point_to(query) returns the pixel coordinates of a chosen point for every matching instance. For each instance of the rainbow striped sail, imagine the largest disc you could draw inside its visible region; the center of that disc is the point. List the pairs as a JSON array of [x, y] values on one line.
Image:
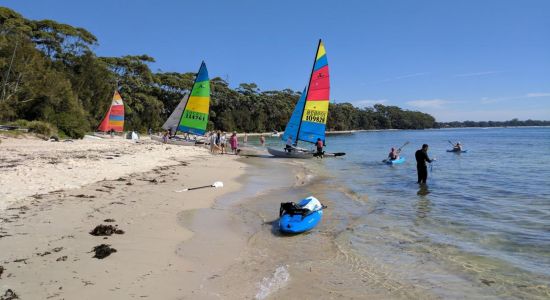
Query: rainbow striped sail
[[114, 119], [311, 115], [195, 115]]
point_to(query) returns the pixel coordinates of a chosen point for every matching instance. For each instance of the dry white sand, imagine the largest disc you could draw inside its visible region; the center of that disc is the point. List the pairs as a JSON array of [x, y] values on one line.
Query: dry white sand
[[32, 166], [45, 242]]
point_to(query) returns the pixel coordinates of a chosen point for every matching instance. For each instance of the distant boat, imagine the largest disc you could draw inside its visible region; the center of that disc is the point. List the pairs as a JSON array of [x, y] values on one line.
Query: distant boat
[[114, 118], [191, 114], [308, 121]]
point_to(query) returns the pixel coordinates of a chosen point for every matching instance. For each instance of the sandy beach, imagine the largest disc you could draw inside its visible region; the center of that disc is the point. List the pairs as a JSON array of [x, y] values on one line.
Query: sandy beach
[[51, 208]]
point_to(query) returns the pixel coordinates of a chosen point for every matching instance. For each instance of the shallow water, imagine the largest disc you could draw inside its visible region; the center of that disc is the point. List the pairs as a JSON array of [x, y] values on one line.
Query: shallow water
[[480, 228]]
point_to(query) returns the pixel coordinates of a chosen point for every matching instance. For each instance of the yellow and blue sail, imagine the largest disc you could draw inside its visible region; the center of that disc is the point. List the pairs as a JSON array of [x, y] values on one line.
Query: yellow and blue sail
[[314, 111], [194, 118]]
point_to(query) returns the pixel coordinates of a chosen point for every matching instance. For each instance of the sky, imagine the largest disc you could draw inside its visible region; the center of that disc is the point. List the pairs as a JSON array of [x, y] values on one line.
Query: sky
[[457, 60]]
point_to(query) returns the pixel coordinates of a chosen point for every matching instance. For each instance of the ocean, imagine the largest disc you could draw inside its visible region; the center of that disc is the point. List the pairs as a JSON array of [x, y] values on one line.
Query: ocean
[[480, 228]]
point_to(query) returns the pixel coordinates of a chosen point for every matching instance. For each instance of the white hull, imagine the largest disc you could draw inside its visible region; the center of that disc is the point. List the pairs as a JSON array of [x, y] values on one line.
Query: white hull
[[292, 154], [159, 139]]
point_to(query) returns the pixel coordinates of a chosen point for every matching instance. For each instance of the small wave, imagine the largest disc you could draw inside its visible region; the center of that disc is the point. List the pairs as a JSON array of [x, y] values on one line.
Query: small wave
[[273, 283]]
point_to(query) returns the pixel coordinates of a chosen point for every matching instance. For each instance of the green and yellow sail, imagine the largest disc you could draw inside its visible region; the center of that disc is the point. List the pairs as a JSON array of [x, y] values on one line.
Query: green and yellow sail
[[194, 118]]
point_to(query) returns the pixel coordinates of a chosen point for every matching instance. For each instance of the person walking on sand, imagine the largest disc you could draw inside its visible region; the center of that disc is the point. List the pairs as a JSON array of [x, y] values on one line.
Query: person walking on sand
[[234, 142], [223, 139], [421, 156], [212, 141], [262, 140], [165, 136]]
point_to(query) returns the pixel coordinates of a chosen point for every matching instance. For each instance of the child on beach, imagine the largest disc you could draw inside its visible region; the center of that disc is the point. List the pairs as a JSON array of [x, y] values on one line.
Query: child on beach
[[165, 136], [234, 142]]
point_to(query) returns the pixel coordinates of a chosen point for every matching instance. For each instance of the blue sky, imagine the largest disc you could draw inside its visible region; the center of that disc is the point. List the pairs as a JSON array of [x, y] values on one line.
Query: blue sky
[[457, 60]]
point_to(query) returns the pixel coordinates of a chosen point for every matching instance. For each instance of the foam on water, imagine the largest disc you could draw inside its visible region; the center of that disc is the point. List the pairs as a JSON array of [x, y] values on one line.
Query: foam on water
[[271, 284]]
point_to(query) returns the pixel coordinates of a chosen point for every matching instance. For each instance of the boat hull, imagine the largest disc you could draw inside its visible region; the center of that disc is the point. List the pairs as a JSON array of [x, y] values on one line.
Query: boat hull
[[293, 154], [456, 151], [173, 141], [396, 161], [297, 223]]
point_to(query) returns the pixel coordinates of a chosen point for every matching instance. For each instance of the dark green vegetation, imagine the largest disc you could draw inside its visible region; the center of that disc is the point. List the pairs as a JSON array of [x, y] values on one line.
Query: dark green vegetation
[[49, 73], [513, 123]]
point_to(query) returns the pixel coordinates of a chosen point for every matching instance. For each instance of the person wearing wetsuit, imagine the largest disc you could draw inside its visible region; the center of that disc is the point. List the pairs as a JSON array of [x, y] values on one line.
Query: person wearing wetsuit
[[421, 156]]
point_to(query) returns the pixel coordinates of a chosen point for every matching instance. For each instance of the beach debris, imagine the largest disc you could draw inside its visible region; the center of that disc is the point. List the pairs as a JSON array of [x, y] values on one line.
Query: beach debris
[[9, 295], [487, 282], [62, 258], [109, 220], [44, 254], [129, 183], [23, 260], [121, 179], [106, 230], [84, 196], [1, 271], [103, 251]]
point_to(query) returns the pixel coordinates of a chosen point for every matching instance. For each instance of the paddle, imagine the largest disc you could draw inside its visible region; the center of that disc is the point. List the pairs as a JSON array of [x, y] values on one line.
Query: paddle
[[217, 184], [338, 153]]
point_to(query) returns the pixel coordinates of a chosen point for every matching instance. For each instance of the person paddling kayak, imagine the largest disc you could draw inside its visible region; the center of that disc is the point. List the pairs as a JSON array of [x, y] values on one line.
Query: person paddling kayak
[[457, 147], [421, 156], [394, 154]]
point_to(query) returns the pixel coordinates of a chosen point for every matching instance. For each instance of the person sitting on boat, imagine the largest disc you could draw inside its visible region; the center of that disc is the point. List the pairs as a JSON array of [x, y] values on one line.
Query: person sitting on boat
[[319, 144], [394, 154], [289, 147], [457, 147]]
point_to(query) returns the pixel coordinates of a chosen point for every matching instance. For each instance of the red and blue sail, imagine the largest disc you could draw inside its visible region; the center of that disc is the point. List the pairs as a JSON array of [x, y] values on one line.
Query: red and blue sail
[[312, 112]]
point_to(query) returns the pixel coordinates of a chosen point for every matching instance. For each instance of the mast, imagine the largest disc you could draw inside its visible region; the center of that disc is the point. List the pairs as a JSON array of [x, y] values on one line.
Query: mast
[[190, 91], [307, 91]]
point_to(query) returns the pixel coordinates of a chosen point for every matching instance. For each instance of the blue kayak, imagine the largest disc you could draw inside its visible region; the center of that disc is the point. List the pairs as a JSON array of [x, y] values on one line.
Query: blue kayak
[[301, 217], [457, 151], [400, 160]]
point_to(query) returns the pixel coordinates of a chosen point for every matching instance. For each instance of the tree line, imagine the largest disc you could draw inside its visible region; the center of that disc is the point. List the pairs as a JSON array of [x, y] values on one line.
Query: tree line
[[49, 73], [510, 123]]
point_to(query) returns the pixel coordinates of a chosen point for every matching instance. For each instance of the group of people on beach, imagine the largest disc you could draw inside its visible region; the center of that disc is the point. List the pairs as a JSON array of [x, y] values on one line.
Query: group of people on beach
[[218, 142]]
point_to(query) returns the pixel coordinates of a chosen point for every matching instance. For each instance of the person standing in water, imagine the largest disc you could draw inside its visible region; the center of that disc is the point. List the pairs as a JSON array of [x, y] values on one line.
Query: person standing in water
[[262, 140], [421, 156], [245, 139], [319, 144]]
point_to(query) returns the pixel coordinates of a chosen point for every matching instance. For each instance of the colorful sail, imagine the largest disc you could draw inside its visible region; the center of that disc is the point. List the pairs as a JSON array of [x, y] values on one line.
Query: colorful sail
[[195, 115], [314, 116], [114, 119], [293, 124], [173, 121]]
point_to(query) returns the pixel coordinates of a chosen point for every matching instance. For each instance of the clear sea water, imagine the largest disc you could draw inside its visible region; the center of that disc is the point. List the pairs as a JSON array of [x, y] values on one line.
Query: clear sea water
[[479, 228]]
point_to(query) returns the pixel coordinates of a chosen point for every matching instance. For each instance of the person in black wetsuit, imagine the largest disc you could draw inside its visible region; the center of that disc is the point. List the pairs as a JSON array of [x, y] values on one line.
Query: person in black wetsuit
[[421, 156]]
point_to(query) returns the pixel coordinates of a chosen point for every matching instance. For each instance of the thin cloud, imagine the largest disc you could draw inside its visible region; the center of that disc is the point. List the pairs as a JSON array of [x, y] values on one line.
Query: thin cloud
[[431, 103], [487, 100], [477, 74], [399, 77], [537, 95]]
